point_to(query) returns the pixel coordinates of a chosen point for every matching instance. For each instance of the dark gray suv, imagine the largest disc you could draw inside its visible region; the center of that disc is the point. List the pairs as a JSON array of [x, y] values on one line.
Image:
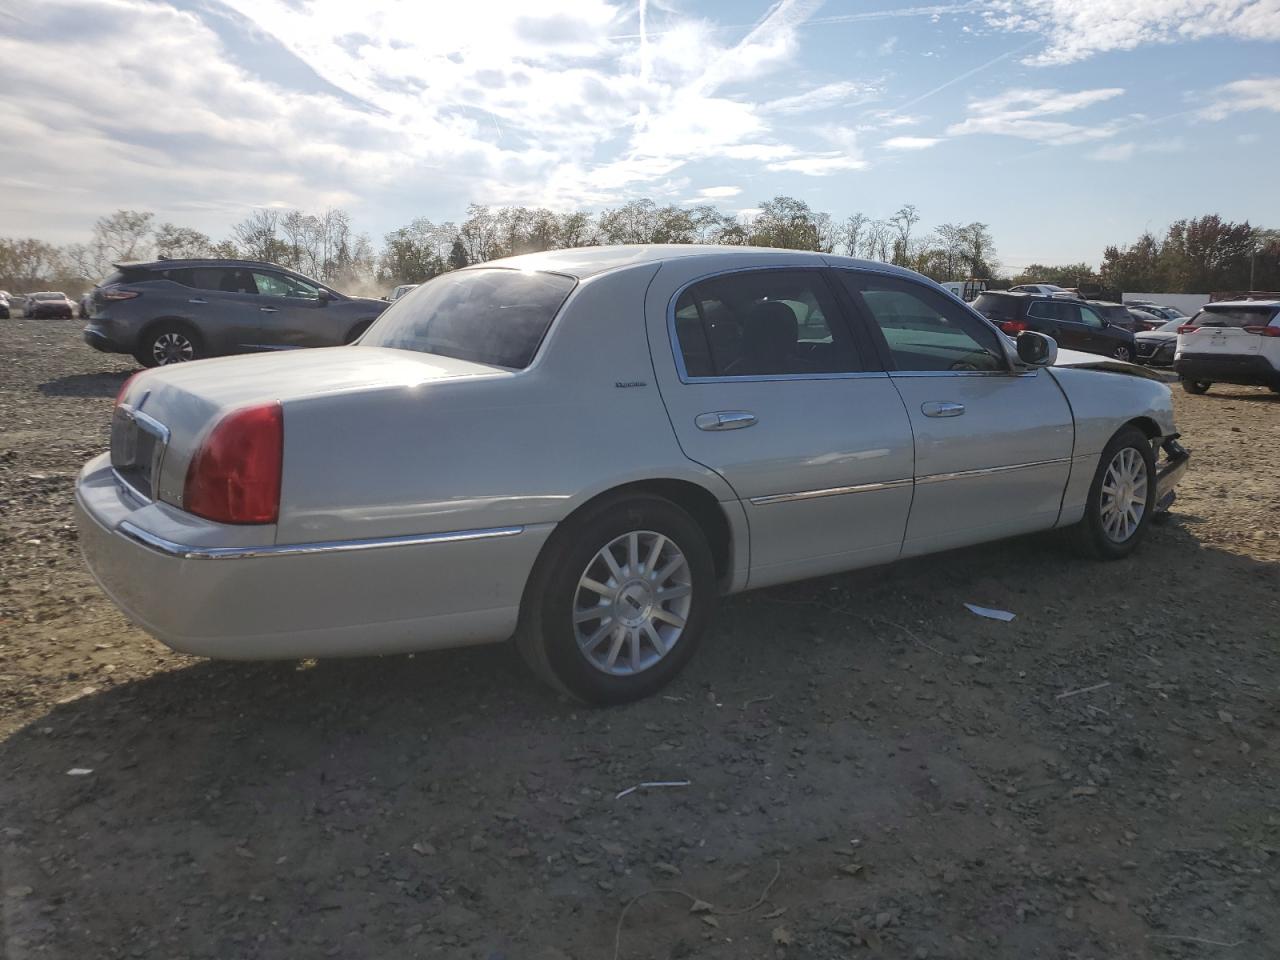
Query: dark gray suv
[[171, 311]]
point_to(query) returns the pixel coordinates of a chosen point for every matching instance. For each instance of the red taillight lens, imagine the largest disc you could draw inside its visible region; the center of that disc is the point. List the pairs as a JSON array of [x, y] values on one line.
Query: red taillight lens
[[1013, 326], [235, 475], [124, 387], [120, 294], [1188, 328], [1264, 331]]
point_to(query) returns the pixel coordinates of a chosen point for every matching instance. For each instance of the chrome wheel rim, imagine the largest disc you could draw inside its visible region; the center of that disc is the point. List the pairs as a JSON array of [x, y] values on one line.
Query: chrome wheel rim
[[172, 348], [632, 603], [1124, 495]]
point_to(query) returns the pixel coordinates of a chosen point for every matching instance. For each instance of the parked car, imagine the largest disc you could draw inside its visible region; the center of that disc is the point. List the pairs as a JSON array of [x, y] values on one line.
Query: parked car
[[1146, 320], [1072, 323], [401, 290], [1157, 347], [588, 447], [49, 304], [172, 311], [1230, 342], [4, 305], [1156, 310], [1039, 288]]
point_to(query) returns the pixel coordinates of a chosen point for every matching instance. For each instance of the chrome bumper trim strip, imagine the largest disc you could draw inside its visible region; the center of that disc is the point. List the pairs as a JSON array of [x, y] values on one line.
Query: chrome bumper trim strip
[[988, 471], [184, 551]]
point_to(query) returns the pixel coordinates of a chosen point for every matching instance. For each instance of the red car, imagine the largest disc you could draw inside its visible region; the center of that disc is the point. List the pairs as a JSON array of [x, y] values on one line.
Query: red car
[[41, 305]]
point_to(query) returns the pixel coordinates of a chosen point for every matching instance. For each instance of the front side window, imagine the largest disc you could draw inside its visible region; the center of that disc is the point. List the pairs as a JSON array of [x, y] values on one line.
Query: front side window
[[279, 285], [764, 323], [924, 330], [1089, 317], [493, 316]]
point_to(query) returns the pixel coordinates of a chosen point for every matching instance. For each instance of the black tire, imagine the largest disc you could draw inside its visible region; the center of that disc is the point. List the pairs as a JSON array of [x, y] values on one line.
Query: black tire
[[1196, 387], [546, 636], [1274, 388], [1091, 533], [168, 342], [1122, 352]]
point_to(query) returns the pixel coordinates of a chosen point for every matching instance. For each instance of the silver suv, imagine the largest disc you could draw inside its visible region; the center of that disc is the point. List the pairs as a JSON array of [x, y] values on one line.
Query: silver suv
[[171, 311]]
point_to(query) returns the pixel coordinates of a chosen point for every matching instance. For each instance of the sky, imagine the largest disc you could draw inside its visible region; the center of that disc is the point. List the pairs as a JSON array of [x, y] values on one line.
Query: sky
[[1065, 125]]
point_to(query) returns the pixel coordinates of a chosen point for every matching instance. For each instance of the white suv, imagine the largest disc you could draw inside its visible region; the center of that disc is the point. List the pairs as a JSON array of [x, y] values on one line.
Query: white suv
[[1234, 341]]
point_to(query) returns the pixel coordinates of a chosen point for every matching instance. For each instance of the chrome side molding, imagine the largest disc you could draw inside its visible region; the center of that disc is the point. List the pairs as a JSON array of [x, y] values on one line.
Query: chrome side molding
[[830, 492], [185, 551]]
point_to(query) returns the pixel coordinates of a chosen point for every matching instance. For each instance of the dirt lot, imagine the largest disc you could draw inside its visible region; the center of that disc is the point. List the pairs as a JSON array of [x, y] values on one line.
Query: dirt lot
[[874, 770]]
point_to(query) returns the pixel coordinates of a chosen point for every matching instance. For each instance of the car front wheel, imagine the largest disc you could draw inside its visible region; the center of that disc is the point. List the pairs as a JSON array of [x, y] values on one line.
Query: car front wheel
[[619, 600], [1196, 386], [1121, 497], [1122, 353]]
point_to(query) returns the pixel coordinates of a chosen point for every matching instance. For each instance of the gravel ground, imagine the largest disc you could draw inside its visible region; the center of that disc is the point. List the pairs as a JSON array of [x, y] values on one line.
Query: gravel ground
[[874, 770]]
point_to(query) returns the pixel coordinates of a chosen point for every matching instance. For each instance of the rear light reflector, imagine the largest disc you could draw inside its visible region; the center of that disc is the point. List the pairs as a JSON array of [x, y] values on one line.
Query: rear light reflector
[[1188, 328], [235, 475], [120, 294], [1013, 326]]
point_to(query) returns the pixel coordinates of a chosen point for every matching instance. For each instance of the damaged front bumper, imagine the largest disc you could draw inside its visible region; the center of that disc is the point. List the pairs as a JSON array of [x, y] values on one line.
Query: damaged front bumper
[[1169, 470]]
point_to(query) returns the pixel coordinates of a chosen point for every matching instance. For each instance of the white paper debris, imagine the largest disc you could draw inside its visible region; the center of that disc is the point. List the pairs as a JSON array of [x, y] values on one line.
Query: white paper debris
[[990, 612], [79, 772], [651, 785]]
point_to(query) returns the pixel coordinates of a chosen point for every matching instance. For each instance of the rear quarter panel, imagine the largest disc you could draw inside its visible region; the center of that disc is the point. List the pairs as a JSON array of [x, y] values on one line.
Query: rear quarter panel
[[516, 448]]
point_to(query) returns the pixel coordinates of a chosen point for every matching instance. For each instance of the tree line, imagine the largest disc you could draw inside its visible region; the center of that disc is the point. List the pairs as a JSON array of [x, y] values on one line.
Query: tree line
[[1194, 256]]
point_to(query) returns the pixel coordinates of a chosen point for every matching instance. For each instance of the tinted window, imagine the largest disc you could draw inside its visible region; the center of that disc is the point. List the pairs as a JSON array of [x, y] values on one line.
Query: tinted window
[[279, 285], [1238, 316], [765, 323], [925, 330], [221, 279], [1090, 317], [492, 316], [994, 305]]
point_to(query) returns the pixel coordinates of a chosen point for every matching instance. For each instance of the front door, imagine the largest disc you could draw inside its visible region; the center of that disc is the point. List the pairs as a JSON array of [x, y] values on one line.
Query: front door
[[992, 445], [767, 384], [289, 312]]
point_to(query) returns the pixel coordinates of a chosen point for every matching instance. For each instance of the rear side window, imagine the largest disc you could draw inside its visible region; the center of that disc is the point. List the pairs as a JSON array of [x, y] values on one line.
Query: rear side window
[[994, 305], [492, 316], [1238, 316], [764, 323]]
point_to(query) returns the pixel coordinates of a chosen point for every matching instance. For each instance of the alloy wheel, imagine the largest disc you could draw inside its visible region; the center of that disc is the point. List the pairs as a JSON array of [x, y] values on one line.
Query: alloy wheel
[[1122, 353], [172, 347], [632, 603], [1124, 495]]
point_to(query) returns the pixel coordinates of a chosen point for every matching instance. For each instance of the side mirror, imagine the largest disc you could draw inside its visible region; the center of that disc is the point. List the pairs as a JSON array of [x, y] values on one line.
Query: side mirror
[[324, 296], [1037, 350]]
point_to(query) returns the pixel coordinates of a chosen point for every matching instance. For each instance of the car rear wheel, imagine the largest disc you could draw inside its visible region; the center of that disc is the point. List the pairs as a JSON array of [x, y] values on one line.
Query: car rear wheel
[[619, 600], [1196, 386], [1121, 498], [166, 344]]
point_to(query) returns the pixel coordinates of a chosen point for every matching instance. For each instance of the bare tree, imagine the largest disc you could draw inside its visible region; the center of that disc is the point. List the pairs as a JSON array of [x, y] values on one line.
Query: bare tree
[[902, 223], [181, 242], [851, 233]]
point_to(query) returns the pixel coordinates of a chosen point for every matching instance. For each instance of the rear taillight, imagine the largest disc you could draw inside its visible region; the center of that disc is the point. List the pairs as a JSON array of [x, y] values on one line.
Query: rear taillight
[[1264, 331], [235, 475], [120, 294], [1013, 326], [1188, 328], [124, 387]]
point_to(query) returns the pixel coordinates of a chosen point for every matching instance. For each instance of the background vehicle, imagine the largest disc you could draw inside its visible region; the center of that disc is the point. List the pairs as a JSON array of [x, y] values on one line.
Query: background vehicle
[[1156, 310], [401, 290], [1230, 342], [966, 290], [1070, 322], [1157, 347], [1115, 314], [4, 305], [1039, 288], [460, 474], [49, 304], [1146, 320], [172, 311]]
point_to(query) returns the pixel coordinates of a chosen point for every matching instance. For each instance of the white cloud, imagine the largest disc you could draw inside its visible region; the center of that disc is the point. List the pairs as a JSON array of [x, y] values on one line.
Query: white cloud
[[828, 95], [1023, 113], [1256, 93], [1114, 152], [887, 47], [718, 193], [911, 143], [1077, 29]]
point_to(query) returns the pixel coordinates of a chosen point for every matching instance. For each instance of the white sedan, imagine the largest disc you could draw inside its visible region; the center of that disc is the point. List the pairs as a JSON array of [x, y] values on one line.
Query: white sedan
[[586, 448]]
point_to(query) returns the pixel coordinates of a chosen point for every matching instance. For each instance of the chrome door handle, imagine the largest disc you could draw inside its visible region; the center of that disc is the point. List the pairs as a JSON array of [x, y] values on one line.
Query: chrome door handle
[[268, 309], [725, 420], [942, 408], [197, 300]]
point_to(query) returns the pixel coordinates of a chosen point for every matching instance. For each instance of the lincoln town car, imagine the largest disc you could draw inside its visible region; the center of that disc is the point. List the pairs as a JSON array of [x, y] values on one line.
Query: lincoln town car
[[584, 450]]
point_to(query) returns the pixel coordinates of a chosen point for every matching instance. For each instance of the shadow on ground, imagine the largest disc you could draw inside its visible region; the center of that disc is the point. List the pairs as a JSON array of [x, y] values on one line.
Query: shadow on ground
[[86, 385]]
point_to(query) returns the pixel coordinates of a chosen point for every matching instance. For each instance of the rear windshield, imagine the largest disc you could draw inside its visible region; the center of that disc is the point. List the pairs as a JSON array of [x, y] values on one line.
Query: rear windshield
[[994, 305], [494, 316], [1237, 316]]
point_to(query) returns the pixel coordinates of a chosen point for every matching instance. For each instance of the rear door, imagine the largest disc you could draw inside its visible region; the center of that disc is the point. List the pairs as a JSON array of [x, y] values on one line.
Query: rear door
[[766, 383], [993, 445]]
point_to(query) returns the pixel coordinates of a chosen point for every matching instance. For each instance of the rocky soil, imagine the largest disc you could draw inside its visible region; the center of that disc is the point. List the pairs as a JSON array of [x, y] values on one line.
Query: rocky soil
[[873, 771]]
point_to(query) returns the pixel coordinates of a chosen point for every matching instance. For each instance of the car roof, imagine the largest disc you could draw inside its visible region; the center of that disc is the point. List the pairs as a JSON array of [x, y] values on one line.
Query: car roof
[[583, 262], [1241, 303], [197, 262]]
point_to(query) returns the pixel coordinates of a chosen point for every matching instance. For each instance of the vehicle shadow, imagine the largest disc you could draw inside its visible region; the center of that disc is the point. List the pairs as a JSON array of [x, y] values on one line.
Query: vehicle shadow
[[86, 384], [1250, 394], [447, 802]]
